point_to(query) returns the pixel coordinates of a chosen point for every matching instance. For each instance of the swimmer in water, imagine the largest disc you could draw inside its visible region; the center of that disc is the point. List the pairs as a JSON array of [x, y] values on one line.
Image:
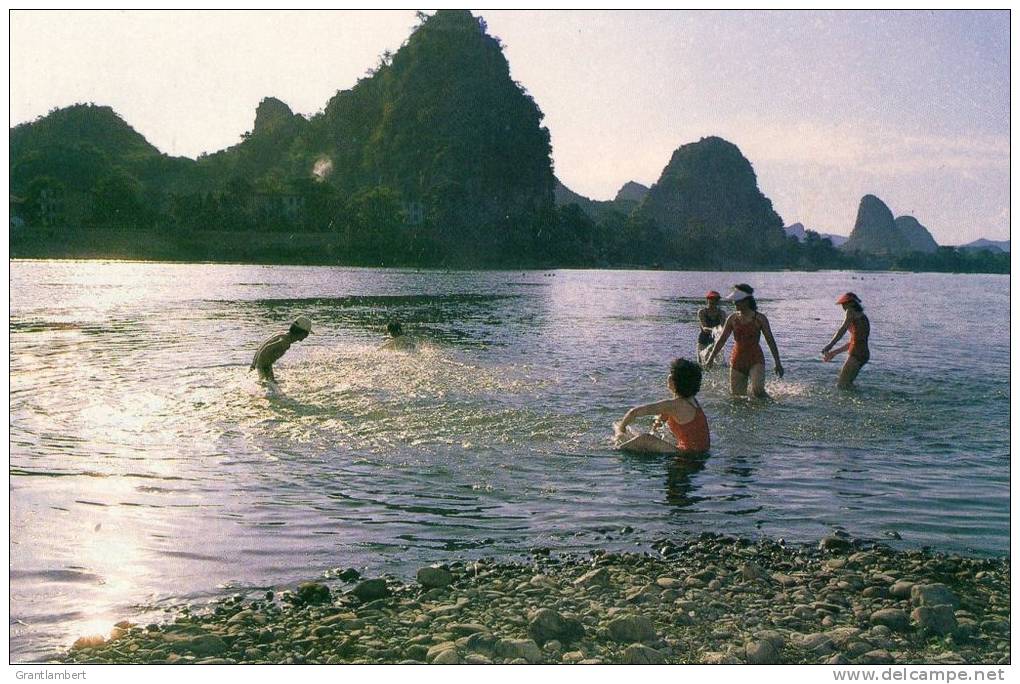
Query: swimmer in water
[[710, 317], [747, 362], [860, 329], [276, 346], [398, 340], [682, 413]]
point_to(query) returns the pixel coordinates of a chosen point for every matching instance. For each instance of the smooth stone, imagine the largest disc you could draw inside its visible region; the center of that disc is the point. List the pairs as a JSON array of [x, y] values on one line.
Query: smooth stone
[[751, 571], [371, 590], [447, 657], [857, 648], [433, 652], [525, 649], [668, 582], [901, 589], [314, 593], [938, 619], [200, 645], [571, 657], [803, 612], [597, 577], [480, 641], [877, 657], [466, 629], [417, 652], [761, 653], [785, 580], [88, 642], [630, 629], [834, 543], [434, 577], [716, 658], [639, 654], [841, 636], [775, 638], [547, 625], [933, 595], [476, 659], [816, 642], [893, 618], [648, 592]]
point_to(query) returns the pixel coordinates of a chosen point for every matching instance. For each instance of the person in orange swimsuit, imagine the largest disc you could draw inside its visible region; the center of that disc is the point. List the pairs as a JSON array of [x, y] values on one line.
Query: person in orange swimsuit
[[860, 329], [683, 414], [747, 362]]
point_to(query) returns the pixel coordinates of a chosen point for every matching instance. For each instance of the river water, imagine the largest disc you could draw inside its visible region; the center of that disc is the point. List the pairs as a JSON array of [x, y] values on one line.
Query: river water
[[148, 466]]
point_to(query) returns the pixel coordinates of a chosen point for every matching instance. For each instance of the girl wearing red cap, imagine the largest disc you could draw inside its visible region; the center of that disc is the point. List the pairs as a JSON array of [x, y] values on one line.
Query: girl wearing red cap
[[860, 328], [711, 318], [747, 362]]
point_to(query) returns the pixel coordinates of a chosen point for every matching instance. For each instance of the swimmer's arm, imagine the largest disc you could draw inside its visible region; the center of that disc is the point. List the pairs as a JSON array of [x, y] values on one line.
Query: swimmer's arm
[[829, 355], [839, 334], [702, 315], [645, 410], [721, 342], [771, 342]]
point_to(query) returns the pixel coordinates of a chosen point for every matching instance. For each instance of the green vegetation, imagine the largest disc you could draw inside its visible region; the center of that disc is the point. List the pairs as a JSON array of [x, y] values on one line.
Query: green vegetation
[[437, 157]]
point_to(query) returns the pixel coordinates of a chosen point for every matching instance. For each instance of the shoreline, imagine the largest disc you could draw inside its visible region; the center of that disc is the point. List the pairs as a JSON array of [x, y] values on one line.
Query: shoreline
[[707, 599], [468, 269]]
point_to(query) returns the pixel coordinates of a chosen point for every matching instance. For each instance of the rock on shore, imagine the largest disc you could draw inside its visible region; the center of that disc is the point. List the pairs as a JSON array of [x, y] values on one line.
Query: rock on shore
[[705, 600]]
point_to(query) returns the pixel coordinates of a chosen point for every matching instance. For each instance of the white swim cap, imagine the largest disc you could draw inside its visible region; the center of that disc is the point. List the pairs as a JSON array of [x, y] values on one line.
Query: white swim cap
[[304, 323]]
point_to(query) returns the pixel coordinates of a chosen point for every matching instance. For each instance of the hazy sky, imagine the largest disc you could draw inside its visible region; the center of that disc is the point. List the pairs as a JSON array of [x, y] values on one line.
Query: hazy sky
[[828, 106]]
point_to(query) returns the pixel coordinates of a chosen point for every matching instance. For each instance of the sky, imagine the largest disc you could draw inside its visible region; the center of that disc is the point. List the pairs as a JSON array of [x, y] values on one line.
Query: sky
[[828, 106]]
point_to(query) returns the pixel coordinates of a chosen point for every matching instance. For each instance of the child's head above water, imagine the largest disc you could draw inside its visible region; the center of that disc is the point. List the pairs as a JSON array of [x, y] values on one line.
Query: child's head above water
[[685, 378], [394, 329], [300, 328]]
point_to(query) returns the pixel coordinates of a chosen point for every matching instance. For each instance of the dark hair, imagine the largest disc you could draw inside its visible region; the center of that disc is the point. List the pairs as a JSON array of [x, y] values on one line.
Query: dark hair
[[394, 328], [686, 377], [298, 332], [751, 302]]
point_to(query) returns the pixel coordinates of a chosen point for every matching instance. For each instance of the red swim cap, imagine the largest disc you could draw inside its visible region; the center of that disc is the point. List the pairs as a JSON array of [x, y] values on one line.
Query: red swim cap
[[712, 294], [847, 298]]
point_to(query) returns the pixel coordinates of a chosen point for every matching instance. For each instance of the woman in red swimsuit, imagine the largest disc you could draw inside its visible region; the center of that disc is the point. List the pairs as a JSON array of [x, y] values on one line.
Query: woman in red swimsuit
[[682, 414], [747, 362], [860, 329]]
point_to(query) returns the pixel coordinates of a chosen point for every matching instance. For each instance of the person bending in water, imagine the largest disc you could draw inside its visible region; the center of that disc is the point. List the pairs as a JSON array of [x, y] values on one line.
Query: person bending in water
[[747, 362], [682, 413], [277, 345], [860, 328], [710, 317], [398, 340]]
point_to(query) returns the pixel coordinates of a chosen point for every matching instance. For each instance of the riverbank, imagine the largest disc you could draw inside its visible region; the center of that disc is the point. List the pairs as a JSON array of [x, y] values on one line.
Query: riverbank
[[290, 248], [708, 599]]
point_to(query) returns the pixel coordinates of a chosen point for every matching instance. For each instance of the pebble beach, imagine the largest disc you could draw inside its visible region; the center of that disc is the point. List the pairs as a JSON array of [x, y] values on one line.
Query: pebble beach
[[707, 599]]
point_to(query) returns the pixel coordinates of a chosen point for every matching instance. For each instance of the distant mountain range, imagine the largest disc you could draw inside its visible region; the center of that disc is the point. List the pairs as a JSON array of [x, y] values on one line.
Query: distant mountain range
[[987, 245], [436, 157], [798, 231], [626, 199], [877, 232]]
